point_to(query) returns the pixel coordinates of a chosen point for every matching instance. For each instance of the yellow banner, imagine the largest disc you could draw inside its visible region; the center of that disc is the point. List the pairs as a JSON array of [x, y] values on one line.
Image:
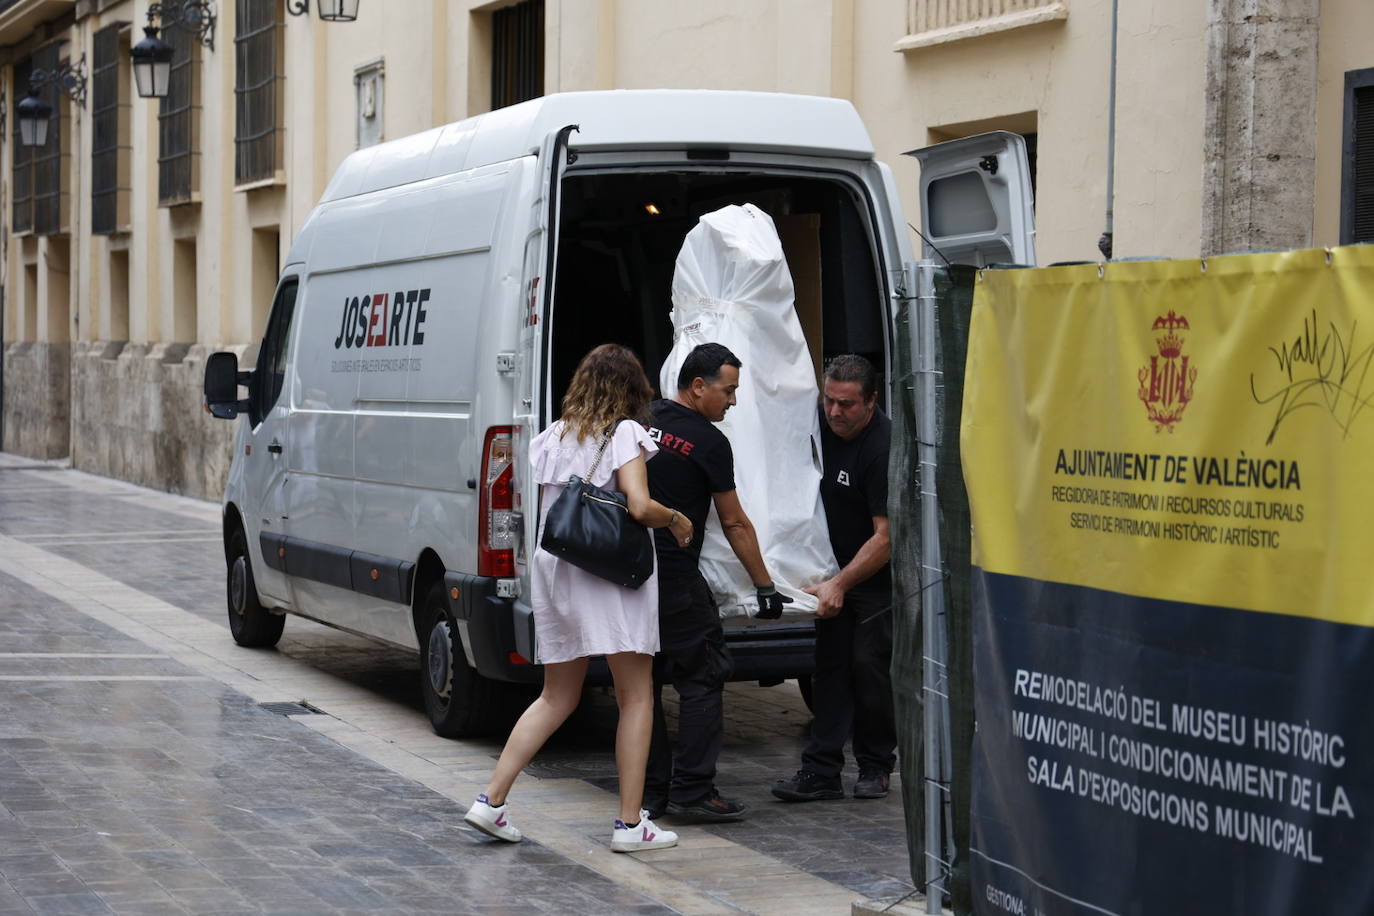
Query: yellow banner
[[1196, 431]]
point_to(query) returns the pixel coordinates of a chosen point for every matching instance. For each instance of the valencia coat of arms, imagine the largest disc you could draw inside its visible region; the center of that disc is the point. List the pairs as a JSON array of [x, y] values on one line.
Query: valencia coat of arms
[[1166, 384]]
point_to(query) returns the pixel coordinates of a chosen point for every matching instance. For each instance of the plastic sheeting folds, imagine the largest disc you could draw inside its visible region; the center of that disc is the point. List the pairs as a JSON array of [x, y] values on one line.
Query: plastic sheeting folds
[[732, 286]]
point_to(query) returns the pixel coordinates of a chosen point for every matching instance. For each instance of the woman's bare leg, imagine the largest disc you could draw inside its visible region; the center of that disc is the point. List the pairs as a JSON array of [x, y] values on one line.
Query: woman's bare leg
[[560, 696], [634, 693]]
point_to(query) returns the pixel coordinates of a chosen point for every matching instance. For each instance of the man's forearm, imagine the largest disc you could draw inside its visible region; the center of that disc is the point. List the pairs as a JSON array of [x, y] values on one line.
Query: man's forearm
[[745, 543], [872, 556]]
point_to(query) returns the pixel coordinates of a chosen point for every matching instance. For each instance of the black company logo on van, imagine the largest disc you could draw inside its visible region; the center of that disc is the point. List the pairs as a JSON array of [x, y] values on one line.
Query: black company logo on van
[[383, 319]]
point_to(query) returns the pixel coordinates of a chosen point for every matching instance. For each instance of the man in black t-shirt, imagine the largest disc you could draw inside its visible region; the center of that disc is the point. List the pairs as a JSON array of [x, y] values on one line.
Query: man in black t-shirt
[[693, 470], [852, 687]]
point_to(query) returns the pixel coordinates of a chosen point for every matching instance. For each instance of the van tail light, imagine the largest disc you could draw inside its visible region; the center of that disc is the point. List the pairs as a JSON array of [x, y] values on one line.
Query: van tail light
[[497, 531]]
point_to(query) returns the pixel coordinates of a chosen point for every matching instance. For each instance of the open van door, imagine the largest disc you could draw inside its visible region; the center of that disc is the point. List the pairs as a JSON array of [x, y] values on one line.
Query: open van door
[[541, 263], [532, 408], [976, 201]]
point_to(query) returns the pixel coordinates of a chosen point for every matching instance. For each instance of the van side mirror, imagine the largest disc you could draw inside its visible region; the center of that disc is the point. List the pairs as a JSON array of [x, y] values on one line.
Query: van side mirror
[[222, 381]]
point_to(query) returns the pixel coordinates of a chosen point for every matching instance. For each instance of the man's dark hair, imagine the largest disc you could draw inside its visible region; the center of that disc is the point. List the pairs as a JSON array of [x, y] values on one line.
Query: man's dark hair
[[854, 368], [705, 362]]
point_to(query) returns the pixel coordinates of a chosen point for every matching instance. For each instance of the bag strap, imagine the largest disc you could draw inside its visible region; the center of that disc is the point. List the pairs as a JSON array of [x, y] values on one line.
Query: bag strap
[[605, 440]]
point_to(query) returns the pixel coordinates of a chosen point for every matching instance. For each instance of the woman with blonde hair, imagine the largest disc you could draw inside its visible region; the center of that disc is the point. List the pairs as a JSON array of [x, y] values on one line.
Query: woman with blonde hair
[[577, 614]]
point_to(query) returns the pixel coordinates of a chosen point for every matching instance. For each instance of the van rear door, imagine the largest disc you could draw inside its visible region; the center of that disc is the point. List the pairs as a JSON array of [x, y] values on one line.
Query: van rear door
[[976, 201], [532, 410], [541, 264]]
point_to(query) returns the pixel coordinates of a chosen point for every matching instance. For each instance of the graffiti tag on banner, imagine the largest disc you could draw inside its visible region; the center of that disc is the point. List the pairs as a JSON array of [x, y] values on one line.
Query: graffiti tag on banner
[[1166, 472]]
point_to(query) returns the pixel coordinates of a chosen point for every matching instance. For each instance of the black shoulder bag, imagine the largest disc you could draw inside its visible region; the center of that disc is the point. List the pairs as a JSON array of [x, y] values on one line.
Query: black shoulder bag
[[592, 529]]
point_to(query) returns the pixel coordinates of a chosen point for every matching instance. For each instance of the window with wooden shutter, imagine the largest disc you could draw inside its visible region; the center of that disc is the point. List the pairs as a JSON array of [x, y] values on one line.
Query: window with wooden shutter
[[258, 91], [178, 122], [517, 53], [50, 160], [21, 168], [110, 131], [1357, 171]]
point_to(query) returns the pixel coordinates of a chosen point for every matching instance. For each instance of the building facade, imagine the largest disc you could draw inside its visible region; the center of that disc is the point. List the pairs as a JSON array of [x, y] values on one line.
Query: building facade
[[148, 233]]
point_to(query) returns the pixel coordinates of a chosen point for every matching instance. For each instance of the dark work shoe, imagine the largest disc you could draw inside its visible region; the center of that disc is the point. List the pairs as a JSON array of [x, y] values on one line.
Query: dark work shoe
[[655, 806], [710, 807], [808, 785], [871, 784]]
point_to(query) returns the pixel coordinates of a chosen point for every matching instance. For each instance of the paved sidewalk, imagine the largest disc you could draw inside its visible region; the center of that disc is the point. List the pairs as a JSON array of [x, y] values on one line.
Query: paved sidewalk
[[139, 772]]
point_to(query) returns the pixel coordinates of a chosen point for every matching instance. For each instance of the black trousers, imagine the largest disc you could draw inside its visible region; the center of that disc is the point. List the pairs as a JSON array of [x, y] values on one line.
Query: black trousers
[[693, 658], [851, 690]]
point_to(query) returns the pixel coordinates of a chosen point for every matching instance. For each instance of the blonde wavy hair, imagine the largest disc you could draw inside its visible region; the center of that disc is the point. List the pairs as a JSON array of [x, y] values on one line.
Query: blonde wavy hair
[[609, 384]]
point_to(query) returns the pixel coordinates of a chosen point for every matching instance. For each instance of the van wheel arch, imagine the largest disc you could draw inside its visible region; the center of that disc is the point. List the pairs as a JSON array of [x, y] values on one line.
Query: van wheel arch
[[429, 569], [460, 702], [251, 624], [233, 521]]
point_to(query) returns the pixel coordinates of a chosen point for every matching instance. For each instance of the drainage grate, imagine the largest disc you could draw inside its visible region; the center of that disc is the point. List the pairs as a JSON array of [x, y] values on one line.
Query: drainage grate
[[292, 709], [572, 766], [33, 467]]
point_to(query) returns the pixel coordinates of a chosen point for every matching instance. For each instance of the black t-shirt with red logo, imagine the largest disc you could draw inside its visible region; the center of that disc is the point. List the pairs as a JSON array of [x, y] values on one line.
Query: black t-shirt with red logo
[[854, 490], [694, 460]]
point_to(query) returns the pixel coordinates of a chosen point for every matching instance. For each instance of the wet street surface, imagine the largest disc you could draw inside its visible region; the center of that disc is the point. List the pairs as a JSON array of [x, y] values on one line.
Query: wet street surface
[[148, 765]]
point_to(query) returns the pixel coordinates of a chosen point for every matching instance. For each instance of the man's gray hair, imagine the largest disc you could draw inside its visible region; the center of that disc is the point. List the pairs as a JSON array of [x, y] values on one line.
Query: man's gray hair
[[853, 368]]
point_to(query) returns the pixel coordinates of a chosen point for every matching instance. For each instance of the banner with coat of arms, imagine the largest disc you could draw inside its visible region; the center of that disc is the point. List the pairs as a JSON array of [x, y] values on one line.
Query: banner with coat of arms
[[1168, 468]]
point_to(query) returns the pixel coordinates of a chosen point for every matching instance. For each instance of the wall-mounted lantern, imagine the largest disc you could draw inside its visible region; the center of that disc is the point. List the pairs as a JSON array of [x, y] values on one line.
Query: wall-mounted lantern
[[152, 57], [34, 113], [330, 10]]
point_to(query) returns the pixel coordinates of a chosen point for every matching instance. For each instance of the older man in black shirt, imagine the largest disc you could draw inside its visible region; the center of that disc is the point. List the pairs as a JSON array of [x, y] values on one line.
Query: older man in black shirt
[[852, 686], [694, 469]]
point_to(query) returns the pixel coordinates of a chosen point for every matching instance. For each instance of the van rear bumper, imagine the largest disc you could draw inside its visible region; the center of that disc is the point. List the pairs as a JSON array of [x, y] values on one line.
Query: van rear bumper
[[500, 635], [491, 627], [772, 651]]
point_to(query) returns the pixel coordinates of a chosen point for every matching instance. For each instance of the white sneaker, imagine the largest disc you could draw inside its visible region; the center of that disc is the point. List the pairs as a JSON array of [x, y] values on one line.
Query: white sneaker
[[644, 835], [492, 820]]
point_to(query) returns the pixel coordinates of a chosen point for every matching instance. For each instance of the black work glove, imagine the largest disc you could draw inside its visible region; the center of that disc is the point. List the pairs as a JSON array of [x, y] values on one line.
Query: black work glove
[[770, 601]]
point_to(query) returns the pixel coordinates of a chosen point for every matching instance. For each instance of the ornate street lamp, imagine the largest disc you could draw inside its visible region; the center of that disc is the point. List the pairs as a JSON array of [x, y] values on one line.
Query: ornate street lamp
[[34, 113], [330, 10], [152, 57]]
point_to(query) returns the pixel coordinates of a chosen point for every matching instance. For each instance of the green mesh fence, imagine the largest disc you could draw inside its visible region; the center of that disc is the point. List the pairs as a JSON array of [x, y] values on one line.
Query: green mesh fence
[[954, 300]]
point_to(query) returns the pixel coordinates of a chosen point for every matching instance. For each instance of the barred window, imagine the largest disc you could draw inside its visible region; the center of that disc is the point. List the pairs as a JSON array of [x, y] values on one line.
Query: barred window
[[517, 53], [258, 90], [1357, 163], [22, 166], [49, 160], [178, 122], [110, 140]]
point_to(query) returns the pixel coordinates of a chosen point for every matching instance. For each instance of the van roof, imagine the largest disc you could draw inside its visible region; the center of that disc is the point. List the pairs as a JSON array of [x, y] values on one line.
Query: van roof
[[624, 119]]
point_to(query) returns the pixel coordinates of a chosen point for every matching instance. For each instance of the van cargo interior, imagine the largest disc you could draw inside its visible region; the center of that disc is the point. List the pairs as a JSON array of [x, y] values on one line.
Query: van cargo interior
[[620, 235]]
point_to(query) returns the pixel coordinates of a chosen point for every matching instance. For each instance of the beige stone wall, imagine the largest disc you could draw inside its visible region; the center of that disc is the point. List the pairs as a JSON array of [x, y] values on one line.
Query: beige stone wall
[[1260, 144], [36, 398], [195, 278], [1052, 78], [137, 415]]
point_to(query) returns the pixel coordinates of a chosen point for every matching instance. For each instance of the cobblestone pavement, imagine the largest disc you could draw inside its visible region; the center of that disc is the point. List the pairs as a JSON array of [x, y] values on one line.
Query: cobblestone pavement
[[146, 765]]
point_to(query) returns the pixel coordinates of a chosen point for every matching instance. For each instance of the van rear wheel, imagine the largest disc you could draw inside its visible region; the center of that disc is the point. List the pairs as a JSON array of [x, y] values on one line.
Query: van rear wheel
[[251, 624], [460, 702]]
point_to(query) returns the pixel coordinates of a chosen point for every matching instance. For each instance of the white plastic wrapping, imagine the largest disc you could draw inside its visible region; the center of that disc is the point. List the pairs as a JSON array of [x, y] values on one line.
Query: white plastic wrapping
[[732, 286]]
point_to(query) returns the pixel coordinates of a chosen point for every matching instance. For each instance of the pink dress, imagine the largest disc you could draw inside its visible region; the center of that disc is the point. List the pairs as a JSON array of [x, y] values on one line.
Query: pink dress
[[577, 614]]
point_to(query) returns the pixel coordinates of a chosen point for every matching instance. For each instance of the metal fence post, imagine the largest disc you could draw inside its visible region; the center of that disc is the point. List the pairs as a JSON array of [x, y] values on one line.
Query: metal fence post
[[935, 696]]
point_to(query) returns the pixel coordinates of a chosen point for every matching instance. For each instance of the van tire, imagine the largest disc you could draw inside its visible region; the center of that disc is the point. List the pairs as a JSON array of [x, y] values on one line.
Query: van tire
[[251, 624], [461, 703]]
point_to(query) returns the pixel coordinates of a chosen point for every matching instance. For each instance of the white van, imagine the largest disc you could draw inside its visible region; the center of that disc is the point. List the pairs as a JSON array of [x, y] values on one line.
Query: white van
[[434, 306]]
